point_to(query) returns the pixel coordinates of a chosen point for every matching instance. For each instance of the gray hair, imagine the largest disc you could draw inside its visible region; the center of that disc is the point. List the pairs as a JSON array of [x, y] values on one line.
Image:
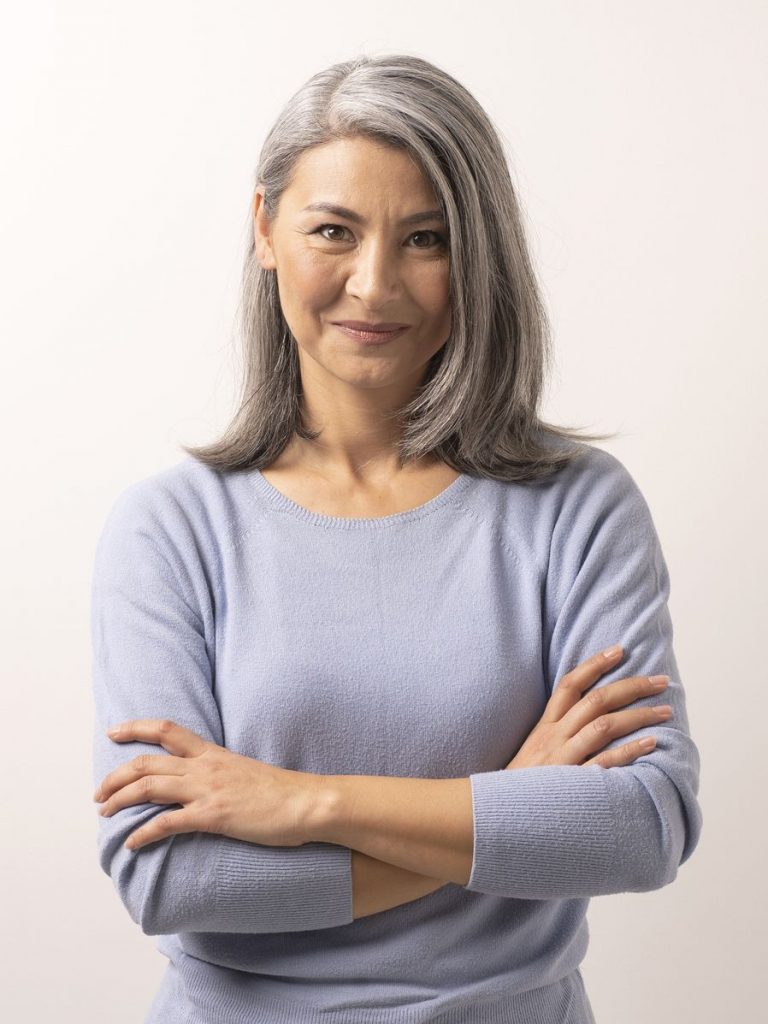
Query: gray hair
[[476, 408]]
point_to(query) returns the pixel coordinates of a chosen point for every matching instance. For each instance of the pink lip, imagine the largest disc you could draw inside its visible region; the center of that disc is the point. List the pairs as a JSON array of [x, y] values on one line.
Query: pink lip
[[372, 337], [362, 325]]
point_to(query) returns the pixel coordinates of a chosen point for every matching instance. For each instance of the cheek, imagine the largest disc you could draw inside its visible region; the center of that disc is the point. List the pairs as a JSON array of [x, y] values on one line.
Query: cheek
[[439, 314], [437, 301], [432, 287], [310, 279]]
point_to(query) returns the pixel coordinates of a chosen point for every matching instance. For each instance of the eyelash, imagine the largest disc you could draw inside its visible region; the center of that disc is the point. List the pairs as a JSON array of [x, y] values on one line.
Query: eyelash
[[441, 241]]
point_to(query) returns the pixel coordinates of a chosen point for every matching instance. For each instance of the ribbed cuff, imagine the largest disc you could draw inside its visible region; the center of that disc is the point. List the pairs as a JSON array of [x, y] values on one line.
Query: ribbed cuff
[[279, 888], [546, 832]]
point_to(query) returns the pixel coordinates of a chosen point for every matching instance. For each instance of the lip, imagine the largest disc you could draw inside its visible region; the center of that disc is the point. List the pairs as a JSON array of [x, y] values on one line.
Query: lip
[[371, 336], [366, 325]]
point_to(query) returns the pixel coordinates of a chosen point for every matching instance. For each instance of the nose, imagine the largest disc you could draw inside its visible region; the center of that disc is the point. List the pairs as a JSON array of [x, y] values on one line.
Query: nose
[[374, 275]]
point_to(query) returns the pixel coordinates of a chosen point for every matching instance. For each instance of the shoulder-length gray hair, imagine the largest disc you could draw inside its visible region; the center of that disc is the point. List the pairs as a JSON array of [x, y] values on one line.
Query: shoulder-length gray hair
[[476, 408]]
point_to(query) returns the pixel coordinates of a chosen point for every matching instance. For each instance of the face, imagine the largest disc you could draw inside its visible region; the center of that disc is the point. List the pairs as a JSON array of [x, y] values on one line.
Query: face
[[384, 260]]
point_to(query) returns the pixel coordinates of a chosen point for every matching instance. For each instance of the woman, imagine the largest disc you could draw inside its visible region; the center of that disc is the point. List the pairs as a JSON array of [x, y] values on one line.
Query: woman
[[374, 761]]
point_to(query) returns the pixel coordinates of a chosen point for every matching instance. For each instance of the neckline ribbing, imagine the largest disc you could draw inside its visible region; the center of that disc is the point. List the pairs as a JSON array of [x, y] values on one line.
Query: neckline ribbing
[[283, 503]]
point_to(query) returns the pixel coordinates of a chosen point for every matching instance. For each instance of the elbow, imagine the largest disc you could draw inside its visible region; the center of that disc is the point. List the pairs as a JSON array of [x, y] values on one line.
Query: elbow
[[134, 875], [677, 842], [651, 863], [143, 907], [146, 910], [664, 838], [662, 869], [662, 872], [151, 922]]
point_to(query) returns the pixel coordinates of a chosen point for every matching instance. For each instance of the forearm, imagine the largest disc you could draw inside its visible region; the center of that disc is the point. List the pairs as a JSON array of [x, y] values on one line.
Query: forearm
[[378, 886], [422, 825]]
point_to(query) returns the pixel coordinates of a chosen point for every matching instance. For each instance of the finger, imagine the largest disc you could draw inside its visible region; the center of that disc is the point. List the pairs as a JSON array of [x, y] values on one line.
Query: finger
[[603, 699], [144, 764], [169, 734], [152, 789], [624, 754], [162, 826], [595, 735], [573, 684]]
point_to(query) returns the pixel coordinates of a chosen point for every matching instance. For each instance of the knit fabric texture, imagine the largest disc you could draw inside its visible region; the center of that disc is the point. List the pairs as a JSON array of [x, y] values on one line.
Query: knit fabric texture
[[421, 644]]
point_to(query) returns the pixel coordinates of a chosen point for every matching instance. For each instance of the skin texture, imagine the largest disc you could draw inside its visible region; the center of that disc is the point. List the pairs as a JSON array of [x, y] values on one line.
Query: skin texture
[[378, 270]]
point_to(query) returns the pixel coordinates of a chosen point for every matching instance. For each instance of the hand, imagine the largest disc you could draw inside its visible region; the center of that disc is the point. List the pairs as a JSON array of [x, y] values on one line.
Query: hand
[[573, 727], [220, 791]]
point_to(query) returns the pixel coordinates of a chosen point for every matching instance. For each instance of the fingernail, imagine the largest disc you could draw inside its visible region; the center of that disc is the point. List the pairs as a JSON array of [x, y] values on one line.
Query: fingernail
[[611, 652], [113, 730]]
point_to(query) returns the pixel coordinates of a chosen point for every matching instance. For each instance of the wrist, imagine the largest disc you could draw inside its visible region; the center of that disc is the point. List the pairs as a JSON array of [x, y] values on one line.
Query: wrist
[[321, 801]]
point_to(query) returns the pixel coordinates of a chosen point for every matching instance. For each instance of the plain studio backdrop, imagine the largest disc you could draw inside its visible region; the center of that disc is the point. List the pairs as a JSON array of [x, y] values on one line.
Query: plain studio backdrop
[[636, 137]]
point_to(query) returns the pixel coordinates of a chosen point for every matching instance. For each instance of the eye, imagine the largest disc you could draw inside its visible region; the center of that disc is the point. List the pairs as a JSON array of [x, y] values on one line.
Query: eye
[[326, 227], [439, 240]]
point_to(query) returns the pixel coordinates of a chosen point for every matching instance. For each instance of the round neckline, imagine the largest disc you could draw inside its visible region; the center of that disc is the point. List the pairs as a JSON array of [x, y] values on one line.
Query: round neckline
[[283, 503]]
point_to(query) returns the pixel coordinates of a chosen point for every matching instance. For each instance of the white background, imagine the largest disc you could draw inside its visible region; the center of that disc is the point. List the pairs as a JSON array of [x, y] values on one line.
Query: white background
[[130, 133]]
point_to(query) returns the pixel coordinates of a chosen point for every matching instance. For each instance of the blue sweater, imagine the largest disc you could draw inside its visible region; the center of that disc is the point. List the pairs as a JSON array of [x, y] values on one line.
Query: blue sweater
[[420, 644]]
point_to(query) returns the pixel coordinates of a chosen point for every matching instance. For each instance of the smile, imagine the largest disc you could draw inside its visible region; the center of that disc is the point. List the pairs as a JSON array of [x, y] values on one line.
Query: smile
[[372, 337]]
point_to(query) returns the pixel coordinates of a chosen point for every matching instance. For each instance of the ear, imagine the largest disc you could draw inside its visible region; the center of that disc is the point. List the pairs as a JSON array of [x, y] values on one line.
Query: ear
[[262, 231]]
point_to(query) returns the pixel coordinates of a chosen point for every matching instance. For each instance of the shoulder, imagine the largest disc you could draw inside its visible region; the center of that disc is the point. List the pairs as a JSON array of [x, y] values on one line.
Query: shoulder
[[592, 483], [163, 533], [592, 475], [185, 495], [599, 512], [171, 488], [555, 518], [594, 480], [179, 509]]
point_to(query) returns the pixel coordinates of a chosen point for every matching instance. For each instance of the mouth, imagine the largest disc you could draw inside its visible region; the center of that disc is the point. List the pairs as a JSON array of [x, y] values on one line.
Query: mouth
[[374, 336]]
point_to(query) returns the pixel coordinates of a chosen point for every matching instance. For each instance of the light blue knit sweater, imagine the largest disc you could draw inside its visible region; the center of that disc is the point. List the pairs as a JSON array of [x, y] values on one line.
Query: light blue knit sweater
[[420, 644]]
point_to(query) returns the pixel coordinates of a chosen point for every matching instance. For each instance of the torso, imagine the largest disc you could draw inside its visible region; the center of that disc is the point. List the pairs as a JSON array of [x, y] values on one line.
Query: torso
[[313, 492]]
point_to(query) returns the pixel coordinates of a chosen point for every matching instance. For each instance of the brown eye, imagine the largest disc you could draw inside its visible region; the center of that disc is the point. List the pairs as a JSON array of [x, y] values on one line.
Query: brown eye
[[329, 227], [438, 238]]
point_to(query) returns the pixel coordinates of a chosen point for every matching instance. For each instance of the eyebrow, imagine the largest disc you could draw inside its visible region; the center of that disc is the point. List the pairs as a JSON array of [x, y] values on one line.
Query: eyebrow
[[343, 211]]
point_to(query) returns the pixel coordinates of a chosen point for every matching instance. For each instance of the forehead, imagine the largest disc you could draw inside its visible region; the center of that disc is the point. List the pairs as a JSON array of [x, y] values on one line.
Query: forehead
[[356, 172]]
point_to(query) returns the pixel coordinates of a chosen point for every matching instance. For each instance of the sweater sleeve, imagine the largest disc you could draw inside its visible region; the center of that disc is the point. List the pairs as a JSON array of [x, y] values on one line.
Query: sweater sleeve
[[565, 831], [152, 635]]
